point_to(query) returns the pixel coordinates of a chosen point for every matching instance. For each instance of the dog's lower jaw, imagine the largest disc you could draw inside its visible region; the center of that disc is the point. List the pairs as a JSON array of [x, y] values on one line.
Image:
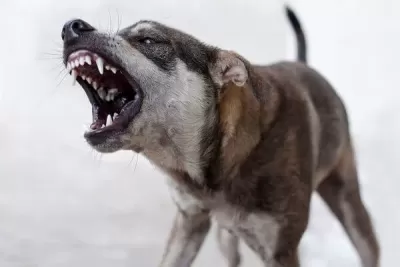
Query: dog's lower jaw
[[106, 148]]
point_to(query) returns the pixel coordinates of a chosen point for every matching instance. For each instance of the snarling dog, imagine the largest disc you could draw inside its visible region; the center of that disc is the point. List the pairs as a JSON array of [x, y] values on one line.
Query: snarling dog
[[243, 144]]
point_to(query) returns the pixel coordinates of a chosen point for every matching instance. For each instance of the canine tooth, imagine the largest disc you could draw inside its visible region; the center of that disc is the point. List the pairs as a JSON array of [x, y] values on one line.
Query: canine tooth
[[95, 85], [113, 91], [100, 64], [76, 62], [113, 70], [110, 96], [74, 76], [109, 120], [102, 93], [88, 60], [82, 61], [89, 80]]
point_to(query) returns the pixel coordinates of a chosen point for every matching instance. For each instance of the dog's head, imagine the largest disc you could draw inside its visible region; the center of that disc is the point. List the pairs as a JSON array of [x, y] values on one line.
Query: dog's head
[[153, 89]]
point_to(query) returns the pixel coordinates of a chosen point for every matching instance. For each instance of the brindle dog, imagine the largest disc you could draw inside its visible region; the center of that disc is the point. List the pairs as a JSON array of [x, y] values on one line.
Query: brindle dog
[[244, 144]]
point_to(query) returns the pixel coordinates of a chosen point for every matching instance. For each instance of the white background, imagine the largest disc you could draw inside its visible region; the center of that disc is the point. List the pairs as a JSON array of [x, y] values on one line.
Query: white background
[[61, 204]]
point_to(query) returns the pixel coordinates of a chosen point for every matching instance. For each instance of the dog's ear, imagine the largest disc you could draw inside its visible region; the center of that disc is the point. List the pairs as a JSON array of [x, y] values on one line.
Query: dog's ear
[[228, 67]]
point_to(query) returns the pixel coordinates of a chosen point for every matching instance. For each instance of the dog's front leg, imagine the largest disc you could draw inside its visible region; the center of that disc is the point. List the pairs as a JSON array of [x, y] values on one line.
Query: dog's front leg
[[186, 237], [229, 246]]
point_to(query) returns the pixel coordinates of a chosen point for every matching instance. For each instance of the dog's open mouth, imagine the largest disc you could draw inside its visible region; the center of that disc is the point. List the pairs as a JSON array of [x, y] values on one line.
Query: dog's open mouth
[[116, 99]]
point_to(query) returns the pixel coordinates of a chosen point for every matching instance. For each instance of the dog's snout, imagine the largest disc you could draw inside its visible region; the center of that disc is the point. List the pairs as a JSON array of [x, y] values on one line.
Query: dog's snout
[[75, 28]]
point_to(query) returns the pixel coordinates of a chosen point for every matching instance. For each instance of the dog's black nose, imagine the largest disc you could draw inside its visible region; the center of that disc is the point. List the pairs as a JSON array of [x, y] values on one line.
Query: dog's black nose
[[75, 28]]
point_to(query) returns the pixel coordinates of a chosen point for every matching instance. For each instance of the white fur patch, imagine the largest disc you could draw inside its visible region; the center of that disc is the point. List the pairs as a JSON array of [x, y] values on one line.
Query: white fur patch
[[185, 112], [191, 100], [183, 200], [142, 26]]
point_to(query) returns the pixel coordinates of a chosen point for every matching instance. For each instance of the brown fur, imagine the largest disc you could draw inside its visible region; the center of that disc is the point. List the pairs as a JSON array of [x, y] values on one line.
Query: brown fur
[[239, 119]]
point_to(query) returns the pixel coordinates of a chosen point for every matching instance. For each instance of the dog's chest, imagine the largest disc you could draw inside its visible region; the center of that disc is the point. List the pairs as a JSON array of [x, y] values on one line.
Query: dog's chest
[[225, 214], [191, 203]]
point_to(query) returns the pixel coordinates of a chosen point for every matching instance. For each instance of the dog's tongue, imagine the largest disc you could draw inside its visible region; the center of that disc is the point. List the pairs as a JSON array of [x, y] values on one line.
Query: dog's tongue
[[97, 124], [99, 118]]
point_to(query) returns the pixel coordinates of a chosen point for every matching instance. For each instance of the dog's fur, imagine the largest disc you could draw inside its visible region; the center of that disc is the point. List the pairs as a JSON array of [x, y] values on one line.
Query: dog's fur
[[243, 144]]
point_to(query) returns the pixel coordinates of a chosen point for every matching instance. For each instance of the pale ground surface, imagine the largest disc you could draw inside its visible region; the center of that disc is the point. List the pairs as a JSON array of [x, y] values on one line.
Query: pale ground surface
[[63, 205]]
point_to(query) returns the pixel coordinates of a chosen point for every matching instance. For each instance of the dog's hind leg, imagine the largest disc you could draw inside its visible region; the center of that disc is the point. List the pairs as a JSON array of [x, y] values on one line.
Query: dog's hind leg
[[341, 192], [229, 246]]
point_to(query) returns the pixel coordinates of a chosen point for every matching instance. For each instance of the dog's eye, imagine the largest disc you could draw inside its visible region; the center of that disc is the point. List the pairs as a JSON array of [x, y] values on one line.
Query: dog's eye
[[147, 40]]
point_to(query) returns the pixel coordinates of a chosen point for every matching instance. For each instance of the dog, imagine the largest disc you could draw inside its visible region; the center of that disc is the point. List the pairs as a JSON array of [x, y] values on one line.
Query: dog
[[244, 145]]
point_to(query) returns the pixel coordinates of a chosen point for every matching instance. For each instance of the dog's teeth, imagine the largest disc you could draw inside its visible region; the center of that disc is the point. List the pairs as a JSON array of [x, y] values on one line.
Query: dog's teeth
[[102, 126], [114, 70], [100, 64], [83, 77], [82, 61], [74, 76], [95, 85], [102, 93], [113, 91], [109, 120], [88, 60], [115, 116], [108, 67], [110, 95], [76, 62], [69, 67], [72, 64], [89, 80]]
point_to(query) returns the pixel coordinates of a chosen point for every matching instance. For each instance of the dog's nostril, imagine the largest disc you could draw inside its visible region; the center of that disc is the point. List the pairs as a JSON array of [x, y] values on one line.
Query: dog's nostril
[[75, 28]]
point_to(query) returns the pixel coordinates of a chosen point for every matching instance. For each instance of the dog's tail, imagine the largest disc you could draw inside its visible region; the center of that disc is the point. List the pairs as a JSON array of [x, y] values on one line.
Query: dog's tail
[[300, 37]]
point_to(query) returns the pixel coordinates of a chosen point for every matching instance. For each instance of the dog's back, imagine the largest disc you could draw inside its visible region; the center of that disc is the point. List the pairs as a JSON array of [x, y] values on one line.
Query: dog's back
[[323, 107]]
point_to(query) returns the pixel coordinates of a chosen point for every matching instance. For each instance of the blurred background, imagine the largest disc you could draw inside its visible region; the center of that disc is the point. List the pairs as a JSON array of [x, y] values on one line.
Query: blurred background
[[62, 204]]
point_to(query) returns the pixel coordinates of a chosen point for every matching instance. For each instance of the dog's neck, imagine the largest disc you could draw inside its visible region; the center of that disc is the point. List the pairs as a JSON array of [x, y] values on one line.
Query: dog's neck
[[227, 142]]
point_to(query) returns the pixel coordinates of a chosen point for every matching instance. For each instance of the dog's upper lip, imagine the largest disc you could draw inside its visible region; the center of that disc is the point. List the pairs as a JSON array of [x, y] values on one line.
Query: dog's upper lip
[[83, 56]]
